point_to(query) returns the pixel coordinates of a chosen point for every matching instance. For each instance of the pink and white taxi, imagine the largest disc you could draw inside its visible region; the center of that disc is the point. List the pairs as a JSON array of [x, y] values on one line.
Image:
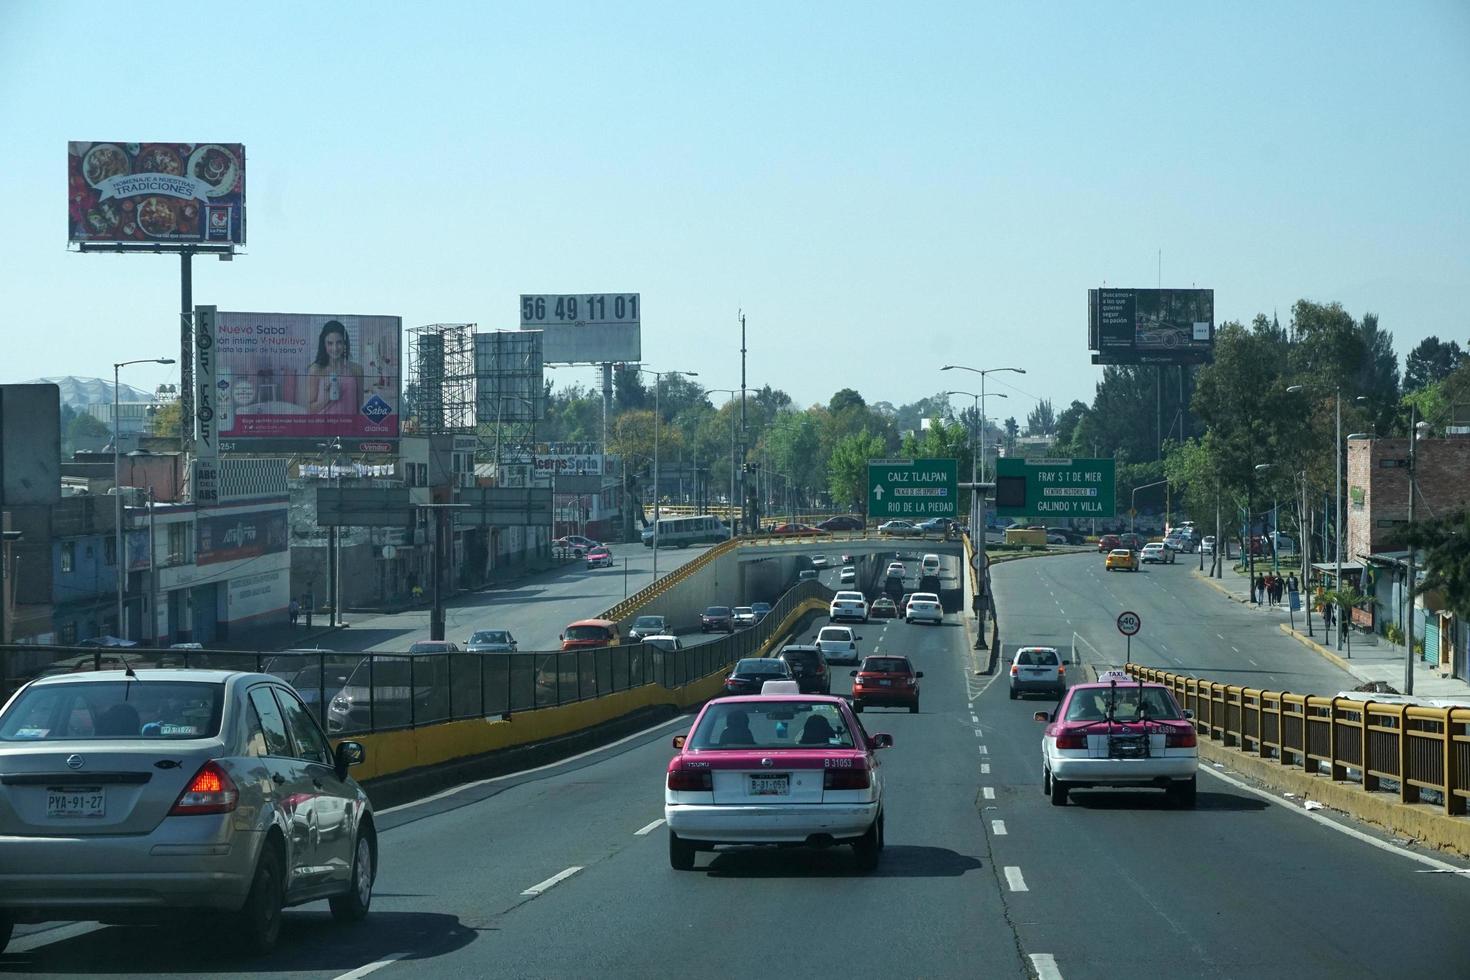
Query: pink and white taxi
[[776, 768], [1119, 732]]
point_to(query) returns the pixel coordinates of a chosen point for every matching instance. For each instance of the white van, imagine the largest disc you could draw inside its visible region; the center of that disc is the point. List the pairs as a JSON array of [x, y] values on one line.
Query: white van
[[929, 565]]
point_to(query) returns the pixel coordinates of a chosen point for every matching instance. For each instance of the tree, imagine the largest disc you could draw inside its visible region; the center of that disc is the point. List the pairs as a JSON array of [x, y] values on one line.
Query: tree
[[628, 389], [847, 468], [1041, 420], [86, 431], [166, 420], [1066, 428], [1430, 362], [1445, 545], [845, 399], [1013, 429]]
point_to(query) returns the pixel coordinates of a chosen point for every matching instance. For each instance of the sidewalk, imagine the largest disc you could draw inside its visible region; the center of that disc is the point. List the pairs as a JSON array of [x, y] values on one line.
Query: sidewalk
[[1369, 658]]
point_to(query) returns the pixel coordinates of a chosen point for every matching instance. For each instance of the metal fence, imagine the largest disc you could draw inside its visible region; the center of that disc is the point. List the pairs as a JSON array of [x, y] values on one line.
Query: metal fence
[[1418, 748], [354, 693]]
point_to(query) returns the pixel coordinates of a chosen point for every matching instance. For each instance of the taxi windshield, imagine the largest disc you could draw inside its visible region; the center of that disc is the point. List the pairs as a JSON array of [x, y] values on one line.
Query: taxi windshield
[[771, 725], [1091, 704]]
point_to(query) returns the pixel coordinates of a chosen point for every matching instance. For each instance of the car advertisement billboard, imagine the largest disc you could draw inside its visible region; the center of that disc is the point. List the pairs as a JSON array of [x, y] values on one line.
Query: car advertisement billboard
[[162, 193], [1151, 326], [288, 382]]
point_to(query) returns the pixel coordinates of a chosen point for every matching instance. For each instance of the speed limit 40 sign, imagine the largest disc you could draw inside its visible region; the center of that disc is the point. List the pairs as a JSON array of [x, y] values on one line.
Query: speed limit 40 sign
[[1129, 623]]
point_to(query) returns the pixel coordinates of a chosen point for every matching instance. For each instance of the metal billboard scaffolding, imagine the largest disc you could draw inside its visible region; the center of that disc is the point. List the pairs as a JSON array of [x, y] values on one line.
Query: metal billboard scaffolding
[[441, 379], [509, 389]]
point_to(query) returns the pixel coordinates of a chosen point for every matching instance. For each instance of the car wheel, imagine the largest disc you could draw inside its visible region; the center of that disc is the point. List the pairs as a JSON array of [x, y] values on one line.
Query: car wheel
[[353, 904], [1182, 795], [867, 846], [857, 706], [908, 621], [1058, 792], [1045, 781], [258, 923], [681, 853], [1014, 695], [7, 926], [914, 708]]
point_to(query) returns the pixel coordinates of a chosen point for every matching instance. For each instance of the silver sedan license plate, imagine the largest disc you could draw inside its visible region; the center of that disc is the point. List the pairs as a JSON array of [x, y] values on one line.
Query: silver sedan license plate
[[770, 785], [86, 801]]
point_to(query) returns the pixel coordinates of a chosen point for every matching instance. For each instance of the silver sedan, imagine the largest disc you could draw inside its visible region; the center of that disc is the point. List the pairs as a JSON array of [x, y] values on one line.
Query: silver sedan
[[130, 795]]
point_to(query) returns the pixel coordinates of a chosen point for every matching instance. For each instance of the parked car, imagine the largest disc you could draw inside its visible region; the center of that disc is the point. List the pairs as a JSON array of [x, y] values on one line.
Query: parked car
[[1119, 732], [645, 626], [599, 557], [747, 760], [491, 641], [750, 674], [717, 619], [1038, 670], [808, 667], [116, 836], [886, 680]]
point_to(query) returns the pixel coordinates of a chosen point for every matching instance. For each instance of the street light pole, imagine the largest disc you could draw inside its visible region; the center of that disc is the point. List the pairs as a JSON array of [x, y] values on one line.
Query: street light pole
[[974, 455], [658, 380], [121, 564], [732, 392], [1337, 519]]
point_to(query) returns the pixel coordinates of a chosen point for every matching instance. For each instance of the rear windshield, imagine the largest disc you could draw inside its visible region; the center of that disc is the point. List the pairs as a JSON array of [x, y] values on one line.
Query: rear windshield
[[886, 665], [114, 709], [1037, 658], [717, 611], [587, 633], [761, 665], [842, 634], [771, 725], [1091, 704]]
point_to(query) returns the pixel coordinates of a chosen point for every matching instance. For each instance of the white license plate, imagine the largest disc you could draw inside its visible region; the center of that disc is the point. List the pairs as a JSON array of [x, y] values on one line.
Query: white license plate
[[770, 785], [885, 683], [86, 801]]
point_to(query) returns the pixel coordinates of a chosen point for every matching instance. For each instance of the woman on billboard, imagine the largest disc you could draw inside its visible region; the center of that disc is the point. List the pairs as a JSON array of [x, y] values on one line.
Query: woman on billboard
[[334, 382]]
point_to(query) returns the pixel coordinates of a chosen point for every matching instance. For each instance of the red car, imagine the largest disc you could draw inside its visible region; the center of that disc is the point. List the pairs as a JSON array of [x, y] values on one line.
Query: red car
[[1108, 542], [599, 557], [796, 530], [890, 681]]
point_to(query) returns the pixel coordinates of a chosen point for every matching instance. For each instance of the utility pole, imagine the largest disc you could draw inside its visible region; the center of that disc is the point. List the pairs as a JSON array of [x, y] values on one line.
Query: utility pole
[[747, 504], [1409, 608]]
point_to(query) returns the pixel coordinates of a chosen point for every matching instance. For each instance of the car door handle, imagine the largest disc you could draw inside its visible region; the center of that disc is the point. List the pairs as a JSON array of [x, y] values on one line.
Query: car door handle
[[278, 779]]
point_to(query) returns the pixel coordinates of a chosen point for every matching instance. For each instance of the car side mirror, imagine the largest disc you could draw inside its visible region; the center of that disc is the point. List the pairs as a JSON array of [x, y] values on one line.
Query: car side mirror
[[1041, 716], [919, 674], [561, 636], [348, 754], [1189, 715], [679, 741], [881, 741], [852, 673], [858, 637]]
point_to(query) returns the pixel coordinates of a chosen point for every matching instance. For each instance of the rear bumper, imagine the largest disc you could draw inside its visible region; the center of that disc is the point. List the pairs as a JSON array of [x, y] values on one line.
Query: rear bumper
[[55, 877], [770, 824], [887, 695], [1124, 772], [1025, 686]]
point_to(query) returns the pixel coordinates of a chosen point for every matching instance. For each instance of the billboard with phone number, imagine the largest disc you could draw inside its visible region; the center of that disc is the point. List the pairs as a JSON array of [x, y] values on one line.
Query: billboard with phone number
[[288, 382], [183, 193]]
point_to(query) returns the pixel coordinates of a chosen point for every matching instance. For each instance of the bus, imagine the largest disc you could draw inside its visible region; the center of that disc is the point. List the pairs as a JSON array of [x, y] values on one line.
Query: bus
[[680, 532]]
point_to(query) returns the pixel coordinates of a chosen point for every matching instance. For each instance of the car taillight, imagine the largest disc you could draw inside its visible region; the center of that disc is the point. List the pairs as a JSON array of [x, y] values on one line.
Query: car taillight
[[1014, 670], [1177, 739], [909, 681], [1072, 740], [1061, 670], [690, 780], [845, 779], [210, 791], [821, 668]]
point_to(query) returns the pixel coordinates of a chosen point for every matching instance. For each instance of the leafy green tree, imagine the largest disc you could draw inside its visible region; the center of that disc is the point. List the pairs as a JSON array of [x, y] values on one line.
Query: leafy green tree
[[1041, 420], [1013, 430], [845, 399], [629, 391], [1430, 362], [165, 421], [1444, 546], [1066, 428], [847, 468]]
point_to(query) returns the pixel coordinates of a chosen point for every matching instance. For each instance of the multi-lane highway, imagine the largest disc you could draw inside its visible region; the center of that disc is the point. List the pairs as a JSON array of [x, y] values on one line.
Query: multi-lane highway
[[563, 872]]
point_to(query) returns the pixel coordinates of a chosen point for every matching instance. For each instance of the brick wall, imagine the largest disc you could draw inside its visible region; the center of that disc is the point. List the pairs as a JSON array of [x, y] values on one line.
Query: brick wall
[[1377, 500]]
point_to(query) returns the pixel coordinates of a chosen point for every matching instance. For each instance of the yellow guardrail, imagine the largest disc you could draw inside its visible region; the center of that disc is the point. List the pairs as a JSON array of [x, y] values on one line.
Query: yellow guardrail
[[1420, 748]]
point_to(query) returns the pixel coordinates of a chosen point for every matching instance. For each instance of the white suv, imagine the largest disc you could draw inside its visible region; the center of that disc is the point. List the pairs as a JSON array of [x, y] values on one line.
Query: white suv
[[848, 605]]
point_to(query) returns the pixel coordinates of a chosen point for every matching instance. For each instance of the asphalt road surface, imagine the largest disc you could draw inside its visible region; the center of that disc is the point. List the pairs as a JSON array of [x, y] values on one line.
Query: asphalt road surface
[[563, 872]]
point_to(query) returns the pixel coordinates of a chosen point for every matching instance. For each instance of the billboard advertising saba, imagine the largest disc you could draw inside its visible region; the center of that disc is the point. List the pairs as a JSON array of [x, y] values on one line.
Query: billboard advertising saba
[[161, 193], [287, 382], [1151, 326]]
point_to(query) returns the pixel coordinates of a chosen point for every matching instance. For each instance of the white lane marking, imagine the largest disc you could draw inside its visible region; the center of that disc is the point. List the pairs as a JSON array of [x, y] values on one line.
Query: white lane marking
[[984, 768], [1382, 845], [1252, 662], [1236, 649], [984, 750], [975, 719], [1045, 966], [989, 792], [645, 831], [372, 967], [1221, 637], [56, 934], [998, 828], [1014, 879], [542, 887], [979, 733]]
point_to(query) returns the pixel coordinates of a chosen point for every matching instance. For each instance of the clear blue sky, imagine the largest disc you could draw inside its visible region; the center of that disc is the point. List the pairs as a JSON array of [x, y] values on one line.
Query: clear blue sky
[[882, 187]]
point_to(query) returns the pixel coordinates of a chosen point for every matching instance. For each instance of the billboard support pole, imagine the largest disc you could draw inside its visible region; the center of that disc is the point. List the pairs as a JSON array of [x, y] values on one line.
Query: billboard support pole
[[186, 351]]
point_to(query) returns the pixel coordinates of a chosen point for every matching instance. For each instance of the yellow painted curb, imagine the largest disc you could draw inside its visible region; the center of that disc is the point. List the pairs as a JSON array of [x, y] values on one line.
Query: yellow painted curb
[[1316, 647], [1421, 822]]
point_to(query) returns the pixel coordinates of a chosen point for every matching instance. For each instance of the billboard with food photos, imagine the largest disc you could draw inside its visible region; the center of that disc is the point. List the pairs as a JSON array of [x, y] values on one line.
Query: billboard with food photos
[[162, 193], [290, 382]]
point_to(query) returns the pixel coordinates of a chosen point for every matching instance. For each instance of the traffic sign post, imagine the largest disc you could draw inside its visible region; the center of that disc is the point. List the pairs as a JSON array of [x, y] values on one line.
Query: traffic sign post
[[916, 489], [1129, 623]]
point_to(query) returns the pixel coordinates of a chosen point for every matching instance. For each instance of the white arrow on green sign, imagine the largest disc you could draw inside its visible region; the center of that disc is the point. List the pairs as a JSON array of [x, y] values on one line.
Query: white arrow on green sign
[[916, 489]]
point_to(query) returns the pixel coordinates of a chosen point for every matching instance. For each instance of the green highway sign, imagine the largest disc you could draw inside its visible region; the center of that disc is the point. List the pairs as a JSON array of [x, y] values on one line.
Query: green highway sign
[[1047, 488], [917, 489]]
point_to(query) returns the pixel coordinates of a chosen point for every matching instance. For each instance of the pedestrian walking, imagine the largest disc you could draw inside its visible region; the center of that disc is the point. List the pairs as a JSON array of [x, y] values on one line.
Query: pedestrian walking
[[1270, 590], [1258, 586], [1292, 585], [293, 612], [1278, 587]]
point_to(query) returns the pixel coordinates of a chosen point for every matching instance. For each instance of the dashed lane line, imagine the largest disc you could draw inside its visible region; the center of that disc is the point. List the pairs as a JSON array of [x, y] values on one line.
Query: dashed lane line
[[989, 792], [998, 828], [645, 831], [541, 888], [372, 967], [984, 768], [1014, 879], [984, 750], [1045, 966]]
